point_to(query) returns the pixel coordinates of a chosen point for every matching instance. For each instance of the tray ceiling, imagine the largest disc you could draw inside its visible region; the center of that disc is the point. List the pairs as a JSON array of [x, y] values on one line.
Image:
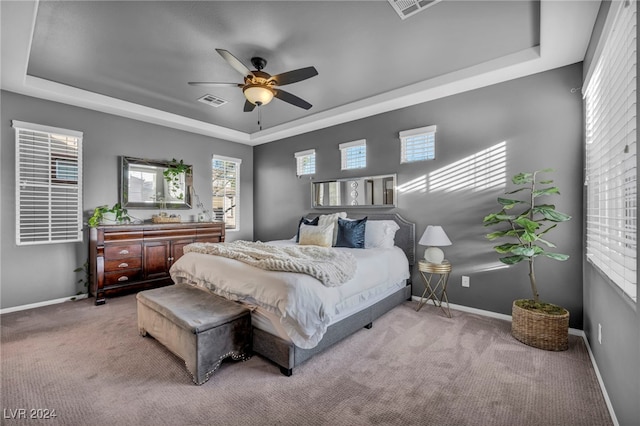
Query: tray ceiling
[[135, 58]]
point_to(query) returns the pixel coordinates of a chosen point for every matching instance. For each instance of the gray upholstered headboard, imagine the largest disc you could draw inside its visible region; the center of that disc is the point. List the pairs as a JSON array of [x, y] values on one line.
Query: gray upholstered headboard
[[405, 236]]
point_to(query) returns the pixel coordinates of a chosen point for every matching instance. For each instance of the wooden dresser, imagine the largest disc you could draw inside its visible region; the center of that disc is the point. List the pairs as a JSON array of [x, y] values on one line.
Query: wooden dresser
[[126, 258]]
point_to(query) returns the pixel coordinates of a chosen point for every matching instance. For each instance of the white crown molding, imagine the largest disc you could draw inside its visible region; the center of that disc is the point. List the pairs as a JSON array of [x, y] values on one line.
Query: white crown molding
[[565, 30]]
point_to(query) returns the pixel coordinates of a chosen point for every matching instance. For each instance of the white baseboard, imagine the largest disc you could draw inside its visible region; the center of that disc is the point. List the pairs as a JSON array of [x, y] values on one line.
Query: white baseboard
[[572, 331], [44, 303], [607, 400]]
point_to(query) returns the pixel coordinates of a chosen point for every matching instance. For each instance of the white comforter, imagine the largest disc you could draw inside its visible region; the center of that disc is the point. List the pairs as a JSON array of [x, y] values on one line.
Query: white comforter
[[305, 306]]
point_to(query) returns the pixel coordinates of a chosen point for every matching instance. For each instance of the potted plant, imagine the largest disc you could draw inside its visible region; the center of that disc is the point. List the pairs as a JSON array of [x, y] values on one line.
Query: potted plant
[[113, 215], [525, 222]]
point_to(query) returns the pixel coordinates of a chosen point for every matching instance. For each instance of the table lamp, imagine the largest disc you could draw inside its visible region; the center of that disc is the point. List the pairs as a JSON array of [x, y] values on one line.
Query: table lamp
[[434, 236]]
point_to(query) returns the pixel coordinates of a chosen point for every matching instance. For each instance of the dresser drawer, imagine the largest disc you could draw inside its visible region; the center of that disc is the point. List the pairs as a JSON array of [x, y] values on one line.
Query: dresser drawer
[[122, 277], [121, 251], [121, 264]]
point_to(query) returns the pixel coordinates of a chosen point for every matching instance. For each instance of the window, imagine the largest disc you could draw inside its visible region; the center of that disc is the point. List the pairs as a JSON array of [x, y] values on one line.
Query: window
[[305, 162], [48, 184], [610, 116], [354, 154], [225, 186], [418, 144]]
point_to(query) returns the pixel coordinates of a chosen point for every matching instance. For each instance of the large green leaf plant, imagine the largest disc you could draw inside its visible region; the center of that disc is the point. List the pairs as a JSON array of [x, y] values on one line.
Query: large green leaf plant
[[525, 222]]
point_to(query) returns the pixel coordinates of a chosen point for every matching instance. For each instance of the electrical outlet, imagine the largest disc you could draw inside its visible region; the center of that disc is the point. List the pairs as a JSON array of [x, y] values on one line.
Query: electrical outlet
[[599, 333], [465, 281]]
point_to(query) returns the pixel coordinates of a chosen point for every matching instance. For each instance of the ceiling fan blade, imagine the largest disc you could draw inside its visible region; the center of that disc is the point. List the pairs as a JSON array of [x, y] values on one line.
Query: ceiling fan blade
[[294, 76], [292, 99], [248, 106], [211, 83], [235, 63]]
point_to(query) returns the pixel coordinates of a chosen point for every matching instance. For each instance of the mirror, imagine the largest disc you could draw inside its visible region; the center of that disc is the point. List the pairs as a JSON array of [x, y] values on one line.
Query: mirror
[[143, 185], [374, 191]]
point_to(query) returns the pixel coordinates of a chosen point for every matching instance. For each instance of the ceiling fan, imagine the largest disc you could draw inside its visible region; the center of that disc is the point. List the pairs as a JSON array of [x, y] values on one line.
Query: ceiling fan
[[259, 87]]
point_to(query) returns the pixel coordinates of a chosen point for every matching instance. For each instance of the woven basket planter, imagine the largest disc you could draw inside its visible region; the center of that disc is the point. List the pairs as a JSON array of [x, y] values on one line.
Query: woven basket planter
[[543, 331]]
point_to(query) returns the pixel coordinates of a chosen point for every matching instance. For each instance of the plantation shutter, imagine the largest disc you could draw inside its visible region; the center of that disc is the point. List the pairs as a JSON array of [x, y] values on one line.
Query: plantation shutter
[[305, 162], [418, 144], [225, 186], [353, 154], [610, 107], [48, 184]]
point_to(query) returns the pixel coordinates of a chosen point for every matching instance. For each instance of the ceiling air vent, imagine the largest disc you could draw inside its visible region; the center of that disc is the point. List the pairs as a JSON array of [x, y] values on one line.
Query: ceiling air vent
[[406, 8], [213, 101]]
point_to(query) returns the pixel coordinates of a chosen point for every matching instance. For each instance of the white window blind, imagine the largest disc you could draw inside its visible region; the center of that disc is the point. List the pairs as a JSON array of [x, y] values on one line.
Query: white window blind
[[353, 154], [305, 162], [610, 107], [418, 144], [48, 184], [225, 187]]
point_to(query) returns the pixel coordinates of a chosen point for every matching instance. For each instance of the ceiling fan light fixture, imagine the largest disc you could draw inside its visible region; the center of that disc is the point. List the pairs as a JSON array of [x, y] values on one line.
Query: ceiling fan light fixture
[[258, 94]]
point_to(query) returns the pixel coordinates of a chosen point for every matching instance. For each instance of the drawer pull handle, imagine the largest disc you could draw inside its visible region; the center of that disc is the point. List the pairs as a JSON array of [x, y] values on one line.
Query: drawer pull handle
[[124, 251], [123, 265], [123, 278]]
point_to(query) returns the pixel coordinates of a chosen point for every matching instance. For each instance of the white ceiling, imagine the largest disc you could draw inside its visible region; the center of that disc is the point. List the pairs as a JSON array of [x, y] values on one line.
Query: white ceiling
[[135, 58]]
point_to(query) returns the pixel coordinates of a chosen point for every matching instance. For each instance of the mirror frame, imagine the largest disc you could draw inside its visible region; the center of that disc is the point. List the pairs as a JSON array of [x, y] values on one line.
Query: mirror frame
[[160, 164], [358, 206]]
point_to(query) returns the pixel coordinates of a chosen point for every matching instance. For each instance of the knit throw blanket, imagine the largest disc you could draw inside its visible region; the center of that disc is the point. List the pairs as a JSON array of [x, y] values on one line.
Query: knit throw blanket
[[331, 267]]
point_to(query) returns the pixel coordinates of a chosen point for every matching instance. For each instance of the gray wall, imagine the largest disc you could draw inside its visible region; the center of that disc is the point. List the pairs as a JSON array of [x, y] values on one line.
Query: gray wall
[[541, 122], [31, 274], [618, 356]]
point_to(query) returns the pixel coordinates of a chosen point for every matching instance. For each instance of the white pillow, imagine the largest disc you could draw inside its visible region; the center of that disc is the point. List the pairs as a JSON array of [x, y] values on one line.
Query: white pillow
[[332, 219], [380, 233], [316, 235]]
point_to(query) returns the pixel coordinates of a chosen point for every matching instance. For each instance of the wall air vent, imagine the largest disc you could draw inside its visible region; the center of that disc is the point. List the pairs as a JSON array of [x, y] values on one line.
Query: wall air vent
[[213, 101], [406, 8]]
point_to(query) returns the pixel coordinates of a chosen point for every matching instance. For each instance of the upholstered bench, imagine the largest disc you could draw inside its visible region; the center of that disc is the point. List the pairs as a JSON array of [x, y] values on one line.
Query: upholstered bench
[[201, 328]]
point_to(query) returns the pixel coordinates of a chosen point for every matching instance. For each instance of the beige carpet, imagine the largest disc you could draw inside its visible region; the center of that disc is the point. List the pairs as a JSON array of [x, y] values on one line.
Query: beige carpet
[[90, 365]]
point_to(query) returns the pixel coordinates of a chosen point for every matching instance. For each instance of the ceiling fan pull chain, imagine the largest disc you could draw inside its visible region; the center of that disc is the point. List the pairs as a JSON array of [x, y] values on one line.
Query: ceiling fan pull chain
[[259, 118]]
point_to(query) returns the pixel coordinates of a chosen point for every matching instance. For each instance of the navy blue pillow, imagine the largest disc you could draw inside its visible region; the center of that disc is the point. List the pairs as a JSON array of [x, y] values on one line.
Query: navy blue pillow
[[351, 233], [313, 222]]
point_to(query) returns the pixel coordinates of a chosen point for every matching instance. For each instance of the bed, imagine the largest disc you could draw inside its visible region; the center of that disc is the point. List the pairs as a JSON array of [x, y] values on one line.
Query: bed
[[289, 324]]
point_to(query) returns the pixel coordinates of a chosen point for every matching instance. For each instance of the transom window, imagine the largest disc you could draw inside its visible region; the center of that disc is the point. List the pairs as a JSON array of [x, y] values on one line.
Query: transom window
[[418, 144], [225, 187], [48, 184], [305, 162], [353, 154]]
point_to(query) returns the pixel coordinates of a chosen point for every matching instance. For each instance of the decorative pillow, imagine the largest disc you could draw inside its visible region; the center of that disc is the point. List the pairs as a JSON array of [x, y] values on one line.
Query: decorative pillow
[[332, 219], [312, 222], [351, 233], [380, 234], [316, 235]]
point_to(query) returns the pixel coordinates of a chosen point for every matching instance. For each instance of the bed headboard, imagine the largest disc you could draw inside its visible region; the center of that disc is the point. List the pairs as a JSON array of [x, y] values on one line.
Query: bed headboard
[[405, 236]]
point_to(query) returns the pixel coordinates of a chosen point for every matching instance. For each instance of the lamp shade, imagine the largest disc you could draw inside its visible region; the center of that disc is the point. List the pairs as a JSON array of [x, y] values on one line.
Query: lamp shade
[[258, 94], [434, 236]]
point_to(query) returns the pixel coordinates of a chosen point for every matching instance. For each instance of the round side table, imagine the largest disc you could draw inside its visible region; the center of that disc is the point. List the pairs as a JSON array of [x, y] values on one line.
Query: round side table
[[435, 291]]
